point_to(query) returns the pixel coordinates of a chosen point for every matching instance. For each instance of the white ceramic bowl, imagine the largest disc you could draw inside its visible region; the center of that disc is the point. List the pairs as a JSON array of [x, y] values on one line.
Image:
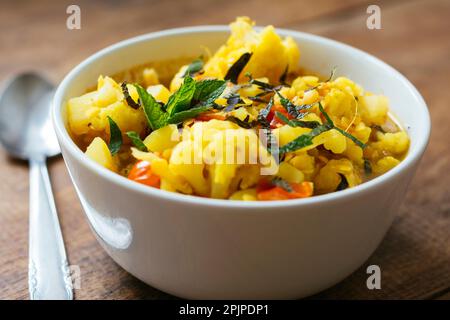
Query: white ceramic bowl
[[205, 248]]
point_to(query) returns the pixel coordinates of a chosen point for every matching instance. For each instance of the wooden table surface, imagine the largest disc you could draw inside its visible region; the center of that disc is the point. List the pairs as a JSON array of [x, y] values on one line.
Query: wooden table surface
[[414, 257]]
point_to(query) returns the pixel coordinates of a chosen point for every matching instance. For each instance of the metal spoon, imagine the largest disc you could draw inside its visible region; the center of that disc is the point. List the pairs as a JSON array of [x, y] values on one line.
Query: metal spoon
[[26, 132]]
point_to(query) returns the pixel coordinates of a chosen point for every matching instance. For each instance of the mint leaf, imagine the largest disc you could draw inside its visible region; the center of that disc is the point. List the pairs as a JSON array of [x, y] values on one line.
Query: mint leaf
[[115, 137], [138, 143], [188, 114], [288, 105], [344, 133], [156, 117], [297, 123], [207, 91], [304, 140], [181, 100]]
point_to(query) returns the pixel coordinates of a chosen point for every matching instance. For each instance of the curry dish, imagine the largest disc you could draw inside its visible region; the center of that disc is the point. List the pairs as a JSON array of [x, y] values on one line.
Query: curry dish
[[244, 123]]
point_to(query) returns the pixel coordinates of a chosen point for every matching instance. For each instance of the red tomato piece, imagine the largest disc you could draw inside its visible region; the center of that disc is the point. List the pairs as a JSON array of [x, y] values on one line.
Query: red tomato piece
[[141, 172]]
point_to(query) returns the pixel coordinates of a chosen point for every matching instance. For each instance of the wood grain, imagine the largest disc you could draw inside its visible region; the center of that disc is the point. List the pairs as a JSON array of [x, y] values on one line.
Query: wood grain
[[415, 254]]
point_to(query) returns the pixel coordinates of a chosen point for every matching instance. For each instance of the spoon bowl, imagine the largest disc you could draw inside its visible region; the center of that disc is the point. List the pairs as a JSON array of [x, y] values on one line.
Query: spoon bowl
[[26, 130]]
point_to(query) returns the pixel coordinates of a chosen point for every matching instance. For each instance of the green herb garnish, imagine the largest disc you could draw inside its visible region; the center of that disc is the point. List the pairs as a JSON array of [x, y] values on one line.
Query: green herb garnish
[[265, 124], [191, 99], [136, 140], [367, 167], [181, 99], [207, 91], [156, 116], [232, 100], [345, 133], [283, 184], [333, 71], [288, 105], [343, 184], [283, 77], [237, 67], [127, 96], [246, 123], [195, 67], [359, 143], [264, 113], [297, 123], [263, 85], [187, 114], [115, 137], [304, 140]]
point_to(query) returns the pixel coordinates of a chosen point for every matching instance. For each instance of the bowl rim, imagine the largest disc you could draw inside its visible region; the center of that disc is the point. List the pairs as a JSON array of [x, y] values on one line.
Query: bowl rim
[[343, 195]]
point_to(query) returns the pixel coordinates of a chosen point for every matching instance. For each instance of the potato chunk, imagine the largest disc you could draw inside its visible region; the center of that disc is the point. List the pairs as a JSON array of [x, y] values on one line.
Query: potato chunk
[[99, 152], [271, 54], [163, 138]]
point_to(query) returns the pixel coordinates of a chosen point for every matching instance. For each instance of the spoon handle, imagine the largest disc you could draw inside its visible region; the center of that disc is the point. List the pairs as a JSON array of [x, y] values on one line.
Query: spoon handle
[[48, 271]]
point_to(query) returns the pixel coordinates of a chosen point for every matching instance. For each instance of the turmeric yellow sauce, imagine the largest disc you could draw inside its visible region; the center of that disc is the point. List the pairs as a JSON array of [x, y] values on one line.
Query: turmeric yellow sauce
[[243, 124]]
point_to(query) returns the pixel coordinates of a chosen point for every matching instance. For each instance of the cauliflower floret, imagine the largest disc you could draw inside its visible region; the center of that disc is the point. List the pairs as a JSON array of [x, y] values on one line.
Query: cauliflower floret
[[301, 84], [332, 140], [373, 109], [89, 113], [385, 164], [347, 85], [305, 163], [395, 143], [328, 178]]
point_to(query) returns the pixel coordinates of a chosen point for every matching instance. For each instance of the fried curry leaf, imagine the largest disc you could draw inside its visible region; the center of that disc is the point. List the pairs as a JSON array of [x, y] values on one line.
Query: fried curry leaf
[[156, 116], [263, 85], [127, 96], [237, 67], [264, 113], [246, 124], [279, 182], [283, 77], [115, 137], [136, 140], [367, 167], [181, 99], [343, 184], [232, 100], [194, 67]]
